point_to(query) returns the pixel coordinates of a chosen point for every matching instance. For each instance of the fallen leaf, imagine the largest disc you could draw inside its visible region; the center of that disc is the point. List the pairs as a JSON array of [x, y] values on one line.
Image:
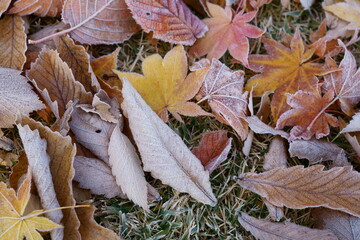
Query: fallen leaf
[[165, 86], [50, 73], [98, 22], [90, 229], [95, 174], [105, 64], [348, 10], [345, 83], [4, 6], [354, 124], [12, 42], [223, 89], [260, 127], [317, 151], [213, 149], [16, 96], [308, 116], [162, 151], [39, 163], [78, 61], [298, 187], [200, 5], [285, 70], [307, 4], [13, 224], [344, 226], [6, 143], [61, 152], [265, 230], [40, 8], [170, 21], [226, 31]]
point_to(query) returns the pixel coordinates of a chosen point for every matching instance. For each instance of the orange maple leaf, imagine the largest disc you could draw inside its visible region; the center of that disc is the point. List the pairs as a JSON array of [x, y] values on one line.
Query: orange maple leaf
[[308, 115], [284, 70], [226, 32]]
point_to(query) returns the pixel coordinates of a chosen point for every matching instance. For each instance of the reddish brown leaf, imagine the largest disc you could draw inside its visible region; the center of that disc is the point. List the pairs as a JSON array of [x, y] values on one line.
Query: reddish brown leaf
[[223, 89], [308, 116], [213, 149], [40, 8], [169, 20]]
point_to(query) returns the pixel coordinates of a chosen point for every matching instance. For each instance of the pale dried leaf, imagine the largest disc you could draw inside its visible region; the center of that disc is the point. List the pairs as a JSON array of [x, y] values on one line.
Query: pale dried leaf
[[99, 22], [307, 3], [353, 140], [78, 61], [170, 21], [354, 124], [40, 8], [260, 127], [277, 154], [275, 213], [16, 96], [126, 167], [39, 162], [62, 153], [337, 188], [265, 230], [344, 226], [12, 42], [94, 174], [51, 73], [4, 4], [6, 143], [163, 152], [317, 151]]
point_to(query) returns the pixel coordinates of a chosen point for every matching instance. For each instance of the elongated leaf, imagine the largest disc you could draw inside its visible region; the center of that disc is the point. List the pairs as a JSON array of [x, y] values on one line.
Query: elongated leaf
[[51, 73], [163, 152], [170, 21], [16, 97], [99, 21], [12, 42], [299, 187], [265, 230]]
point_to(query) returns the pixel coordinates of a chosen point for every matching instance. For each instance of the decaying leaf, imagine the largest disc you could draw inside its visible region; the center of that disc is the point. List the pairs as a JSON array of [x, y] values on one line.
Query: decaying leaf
[[40, 8], [165, 86], [298, 187], [348, 10], [344, 226], [223, 89], [345, 83], [16, 96], [162, 151], [13, 224], [285, 70], [170, 21], [265, 230], [50, 73], [227, 31], [317, 151], [354, 124], [12, 42], [213, 149], [308, 116], [78, 61]]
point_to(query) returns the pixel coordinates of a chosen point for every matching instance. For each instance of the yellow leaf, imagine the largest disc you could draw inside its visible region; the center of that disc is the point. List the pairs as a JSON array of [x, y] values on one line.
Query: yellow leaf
[[105, 64], [13, 224], [348, 11], [165, 86]]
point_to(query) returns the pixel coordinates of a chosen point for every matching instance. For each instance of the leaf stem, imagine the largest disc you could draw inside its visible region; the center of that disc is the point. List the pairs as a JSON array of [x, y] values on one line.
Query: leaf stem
[[321, 112]]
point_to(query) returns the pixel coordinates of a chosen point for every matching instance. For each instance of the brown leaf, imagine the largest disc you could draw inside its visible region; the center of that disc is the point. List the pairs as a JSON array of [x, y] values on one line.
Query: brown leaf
[[78, 61], [12, 42], [39, 162], [223, 89], [4, 5], [170, 21], [50, 73], [317, 151], [298, 187], [265, 230], [40, 8], [308, 116], [162, 151], [61, 152], [105, 64], [99, 22], [213, 149], [90, 229], [16, 96], [344, 226]]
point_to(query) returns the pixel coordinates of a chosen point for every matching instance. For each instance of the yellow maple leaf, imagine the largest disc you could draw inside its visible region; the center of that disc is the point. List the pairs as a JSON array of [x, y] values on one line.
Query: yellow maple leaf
[[165, 85], [13, 224]]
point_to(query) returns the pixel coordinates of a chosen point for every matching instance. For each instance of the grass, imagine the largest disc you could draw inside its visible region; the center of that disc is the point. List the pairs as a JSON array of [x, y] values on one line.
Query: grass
[[178, 216]]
